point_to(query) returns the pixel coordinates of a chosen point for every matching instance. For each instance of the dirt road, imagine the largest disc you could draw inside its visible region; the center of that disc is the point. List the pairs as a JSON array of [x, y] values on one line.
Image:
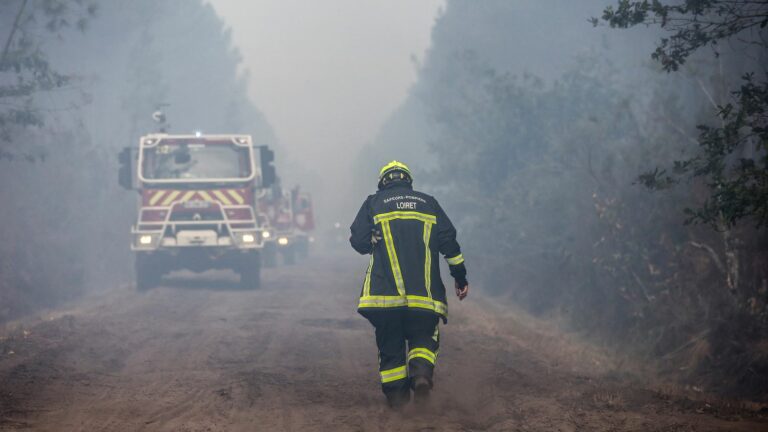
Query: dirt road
[[201, 355]]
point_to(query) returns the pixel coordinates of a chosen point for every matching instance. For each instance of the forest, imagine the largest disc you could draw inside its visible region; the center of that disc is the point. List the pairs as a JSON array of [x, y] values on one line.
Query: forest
[[80, 81], [614, 181]]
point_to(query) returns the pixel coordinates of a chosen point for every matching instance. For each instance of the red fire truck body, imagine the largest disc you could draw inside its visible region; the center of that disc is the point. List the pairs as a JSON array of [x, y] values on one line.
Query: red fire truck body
[[303, 214], [197, 198], [290, 221]]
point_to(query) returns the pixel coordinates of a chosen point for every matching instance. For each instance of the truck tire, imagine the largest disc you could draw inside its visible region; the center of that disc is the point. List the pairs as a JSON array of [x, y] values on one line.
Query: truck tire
[[270, 255], [250, 271], [302, 249], [289, 255], [147, 274]]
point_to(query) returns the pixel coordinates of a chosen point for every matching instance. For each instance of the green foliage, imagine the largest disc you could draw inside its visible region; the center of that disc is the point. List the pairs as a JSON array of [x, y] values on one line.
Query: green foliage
[[24, 66], [739, 184], [733, 156], [693, 23]]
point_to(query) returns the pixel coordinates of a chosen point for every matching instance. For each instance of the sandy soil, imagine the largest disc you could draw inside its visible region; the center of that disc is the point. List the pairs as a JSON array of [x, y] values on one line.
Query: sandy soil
[[200, 355]]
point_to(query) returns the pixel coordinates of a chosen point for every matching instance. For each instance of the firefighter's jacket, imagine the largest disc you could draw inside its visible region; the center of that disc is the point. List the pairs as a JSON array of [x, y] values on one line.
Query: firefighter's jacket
[[404, 271]]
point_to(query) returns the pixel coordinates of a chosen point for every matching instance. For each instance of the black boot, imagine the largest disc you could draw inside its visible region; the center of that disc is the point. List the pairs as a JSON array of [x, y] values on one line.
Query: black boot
[[398, 399], [421, 389]]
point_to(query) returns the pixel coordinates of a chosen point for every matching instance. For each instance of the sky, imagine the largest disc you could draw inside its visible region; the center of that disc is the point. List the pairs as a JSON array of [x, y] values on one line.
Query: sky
[[327, 74]]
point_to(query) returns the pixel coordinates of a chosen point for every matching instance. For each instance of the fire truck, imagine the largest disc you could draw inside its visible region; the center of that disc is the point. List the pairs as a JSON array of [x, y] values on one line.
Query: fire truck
[[197, 204], [290, 220]]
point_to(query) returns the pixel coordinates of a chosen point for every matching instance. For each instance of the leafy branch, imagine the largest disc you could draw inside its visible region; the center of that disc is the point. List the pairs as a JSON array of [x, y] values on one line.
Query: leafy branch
[[25, 69], [694, 23], [732, 157]]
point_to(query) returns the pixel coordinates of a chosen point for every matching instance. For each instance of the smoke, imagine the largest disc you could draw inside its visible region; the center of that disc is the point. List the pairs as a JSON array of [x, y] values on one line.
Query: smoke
[[527, 123], [68, 227], [327, 75]]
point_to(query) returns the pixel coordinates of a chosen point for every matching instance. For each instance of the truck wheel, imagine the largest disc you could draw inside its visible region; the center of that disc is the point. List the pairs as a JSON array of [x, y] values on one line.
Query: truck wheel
[[147, 274], [289, 255], [302, 249], [250, 271], [270, 255]]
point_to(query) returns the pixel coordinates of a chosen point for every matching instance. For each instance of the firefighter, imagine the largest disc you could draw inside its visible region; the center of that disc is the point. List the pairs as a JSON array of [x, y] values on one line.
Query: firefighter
[[402, 296]]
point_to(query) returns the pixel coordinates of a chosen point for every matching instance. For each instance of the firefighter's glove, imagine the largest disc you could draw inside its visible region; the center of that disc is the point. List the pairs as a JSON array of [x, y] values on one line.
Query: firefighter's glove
[[462, 288], [375, 236]]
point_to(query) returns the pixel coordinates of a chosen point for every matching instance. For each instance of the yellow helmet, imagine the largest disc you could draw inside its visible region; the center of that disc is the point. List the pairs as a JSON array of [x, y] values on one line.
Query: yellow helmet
[[388, 173]]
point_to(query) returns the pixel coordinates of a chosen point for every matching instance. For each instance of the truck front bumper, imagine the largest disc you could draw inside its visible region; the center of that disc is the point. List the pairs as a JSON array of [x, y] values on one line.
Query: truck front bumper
[[147, 241]]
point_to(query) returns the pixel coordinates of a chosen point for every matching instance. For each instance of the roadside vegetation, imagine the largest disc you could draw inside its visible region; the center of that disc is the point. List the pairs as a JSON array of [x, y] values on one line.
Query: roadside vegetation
[[79, 80], [626, 196]]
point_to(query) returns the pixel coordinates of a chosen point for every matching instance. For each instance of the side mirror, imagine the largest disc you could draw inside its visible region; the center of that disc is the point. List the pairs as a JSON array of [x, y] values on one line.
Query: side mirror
[[268, 173], [125, 172]]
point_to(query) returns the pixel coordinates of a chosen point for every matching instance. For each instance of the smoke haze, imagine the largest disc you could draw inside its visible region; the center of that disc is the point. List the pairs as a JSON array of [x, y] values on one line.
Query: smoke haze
[[611, 212], [363, 58]]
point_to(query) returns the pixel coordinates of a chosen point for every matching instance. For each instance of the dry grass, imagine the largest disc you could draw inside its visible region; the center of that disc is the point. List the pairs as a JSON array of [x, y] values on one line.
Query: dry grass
[[608, 400]]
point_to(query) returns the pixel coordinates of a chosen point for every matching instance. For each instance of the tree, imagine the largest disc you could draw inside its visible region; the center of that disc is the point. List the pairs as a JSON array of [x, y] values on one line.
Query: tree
[[733, 155], [25, 71]]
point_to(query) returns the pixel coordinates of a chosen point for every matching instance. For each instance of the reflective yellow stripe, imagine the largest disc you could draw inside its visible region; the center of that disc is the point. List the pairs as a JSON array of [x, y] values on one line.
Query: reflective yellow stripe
[[367, 284], [156, 197], [427, 303], [436, 335], [223, 198], [413, 301], [424, 217], [187, 196], [395, 374], [458, 259], [422, 353], [427, 259], [170, 197], [390, 243], [236, 195], [206, 196], [382, 301]]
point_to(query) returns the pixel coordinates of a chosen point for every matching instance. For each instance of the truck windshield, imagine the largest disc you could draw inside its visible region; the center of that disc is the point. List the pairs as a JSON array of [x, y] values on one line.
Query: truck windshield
[[196, 161]]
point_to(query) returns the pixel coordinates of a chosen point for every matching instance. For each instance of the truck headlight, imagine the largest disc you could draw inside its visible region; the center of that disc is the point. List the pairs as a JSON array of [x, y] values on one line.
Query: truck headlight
[[145, 239], [265, 234], [248, 238], [282, 241]]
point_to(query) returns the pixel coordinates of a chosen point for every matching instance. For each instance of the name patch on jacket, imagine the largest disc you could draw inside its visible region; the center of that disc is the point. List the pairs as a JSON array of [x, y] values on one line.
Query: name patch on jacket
[[404, 197]]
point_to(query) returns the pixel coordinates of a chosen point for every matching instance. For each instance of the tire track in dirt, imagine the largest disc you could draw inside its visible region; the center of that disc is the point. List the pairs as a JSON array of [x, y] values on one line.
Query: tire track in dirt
[[201, 355]]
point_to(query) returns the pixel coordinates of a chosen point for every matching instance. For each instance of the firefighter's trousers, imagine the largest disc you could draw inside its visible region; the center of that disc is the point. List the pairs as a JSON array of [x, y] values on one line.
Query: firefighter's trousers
[[408, 342]]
